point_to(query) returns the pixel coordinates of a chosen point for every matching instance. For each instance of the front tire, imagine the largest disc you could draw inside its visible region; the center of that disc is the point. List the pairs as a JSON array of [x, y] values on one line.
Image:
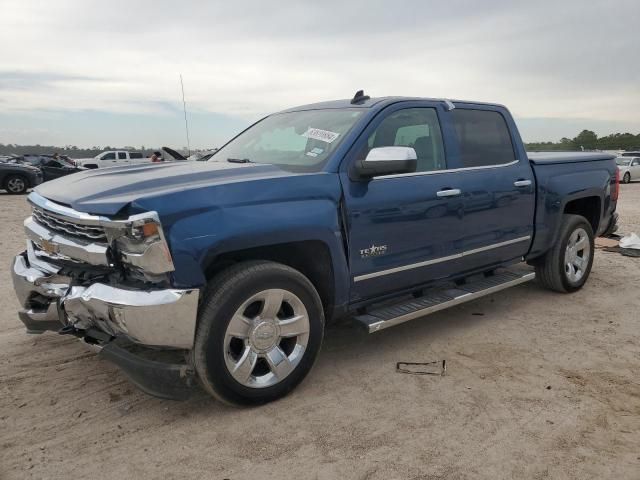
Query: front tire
[[626, 178], [259, 333], [16, 184], [566, 267]]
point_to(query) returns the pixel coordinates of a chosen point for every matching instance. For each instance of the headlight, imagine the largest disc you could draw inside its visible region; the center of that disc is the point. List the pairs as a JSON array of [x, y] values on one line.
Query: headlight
[[143, 245]]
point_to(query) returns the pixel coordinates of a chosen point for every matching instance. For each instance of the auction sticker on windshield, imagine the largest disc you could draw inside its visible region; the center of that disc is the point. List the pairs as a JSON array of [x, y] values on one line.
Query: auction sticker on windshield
[[322, 135]]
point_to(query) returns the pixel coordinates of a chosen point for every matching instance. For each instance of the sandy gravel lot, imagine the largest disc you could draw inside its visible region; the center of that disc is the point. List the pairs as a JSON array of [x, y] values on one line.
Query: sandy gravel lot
[[539, 385]]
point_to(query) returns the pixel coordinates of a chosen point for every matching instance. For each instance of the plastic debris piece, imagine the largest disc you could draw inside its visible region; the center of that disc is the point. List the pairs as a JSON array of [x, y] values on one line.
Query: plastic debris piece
[[630, 241]]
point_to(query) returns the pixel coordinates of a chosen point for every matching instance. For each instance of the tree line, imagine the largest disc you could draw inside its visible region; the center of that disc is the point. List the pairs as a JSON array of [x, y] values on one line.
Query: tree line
[[588, 140]]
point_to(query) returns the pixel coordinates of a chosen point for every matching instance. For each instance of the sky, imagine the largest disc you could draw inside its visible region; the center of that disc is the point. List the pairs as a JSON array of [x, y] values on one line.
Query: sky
[[101, 73]]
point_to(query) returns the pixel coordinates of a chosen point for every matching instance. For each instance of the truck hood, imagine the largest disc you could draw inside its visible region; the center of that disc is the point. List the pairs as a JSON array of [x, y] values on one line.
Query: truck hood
[[107, 191]]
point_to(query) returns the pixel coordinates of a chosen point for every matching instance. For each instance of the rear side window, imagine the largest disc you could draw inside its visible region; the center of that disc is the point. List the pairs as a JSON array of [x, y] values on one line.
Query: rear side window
[[135, 155], [483, 138], [122, 156]]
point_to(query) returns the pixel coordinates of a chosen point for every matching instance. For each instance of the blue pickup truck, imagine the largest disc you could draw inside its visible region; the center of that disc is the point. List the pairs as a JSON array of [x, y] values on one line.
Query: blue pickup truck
[[224, 273]]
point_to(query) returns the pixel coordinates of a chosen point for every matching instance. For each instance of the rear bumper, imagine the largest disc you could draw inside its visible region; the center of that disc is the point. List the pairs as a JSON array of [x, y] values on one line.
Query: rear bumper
[[117, 322]]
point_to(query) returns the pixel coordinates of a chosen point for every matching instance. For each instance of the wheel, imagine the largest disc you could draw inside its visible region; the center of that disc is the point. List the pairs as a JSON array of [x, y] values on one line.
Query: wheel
[[16, 184], [566, 267], [626, 178], [260, 329]]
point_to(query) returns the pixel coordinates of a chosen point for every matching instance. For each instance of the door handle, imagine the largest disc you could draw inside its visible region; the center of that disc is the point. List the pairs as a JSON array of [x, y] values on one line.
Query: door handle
[[449, 192], [522, 183]]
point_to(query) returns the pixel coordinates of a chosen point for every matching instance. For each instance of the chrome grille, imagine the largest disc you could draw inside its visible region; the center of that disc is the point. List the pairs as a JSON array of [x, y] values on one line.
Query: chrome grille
[[69, 227]]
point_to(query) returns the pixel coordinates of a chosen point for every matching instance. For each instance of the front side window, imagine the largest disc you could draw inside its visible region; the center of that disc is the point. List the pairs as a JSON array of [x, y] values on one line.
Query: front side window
[[108, 156], [297, 141], [483, 138], [417, 128]]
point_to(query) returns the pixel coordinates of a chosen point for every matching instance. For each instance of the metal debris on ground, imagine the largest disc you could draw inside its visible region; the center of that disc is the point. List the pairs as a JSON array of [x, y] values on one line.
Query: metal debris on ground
[[439, 367]]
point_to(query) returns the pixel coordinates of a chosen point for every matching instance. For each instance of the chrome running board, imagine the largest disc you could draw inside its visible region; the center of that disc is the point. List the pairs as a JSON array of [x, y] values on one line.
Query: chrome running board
[[441, 298]]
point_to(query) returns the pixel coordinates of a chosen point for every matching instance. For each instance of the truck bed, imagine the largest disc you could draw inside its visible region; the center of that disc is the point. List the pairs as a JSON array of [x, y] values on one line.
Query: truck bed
[[543, 158]]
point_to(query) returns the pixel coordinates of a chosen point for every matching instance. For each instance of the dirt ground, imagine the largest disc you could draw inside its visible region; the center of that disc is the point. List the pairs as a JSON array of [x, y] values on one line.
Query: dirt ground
[[538, 385]]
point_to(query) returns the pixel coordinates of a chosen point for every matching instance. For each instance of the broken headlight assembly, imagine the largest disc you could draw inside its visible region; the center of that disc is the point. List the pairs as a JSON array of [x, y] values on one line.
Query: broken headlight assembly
[[143, 248]]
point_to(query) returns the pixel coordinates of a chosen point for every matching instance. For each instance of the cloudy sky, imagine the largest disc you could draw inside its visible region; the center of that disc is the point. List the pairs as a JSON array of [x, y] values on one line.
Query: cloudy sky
[[107, 72]]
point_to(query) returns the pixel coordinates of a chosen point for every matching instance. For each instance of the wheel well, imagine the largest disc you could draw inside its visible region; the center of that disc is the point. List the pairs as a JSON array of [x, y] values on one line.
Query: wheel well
[[588, 207], [311, 258]]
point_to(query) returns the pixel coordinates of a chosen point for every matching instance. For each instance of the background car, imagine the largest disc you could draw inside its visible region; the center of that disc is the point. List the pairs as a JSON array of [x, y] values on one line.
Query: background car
[[16, 177], [52, 167], [629, 168]]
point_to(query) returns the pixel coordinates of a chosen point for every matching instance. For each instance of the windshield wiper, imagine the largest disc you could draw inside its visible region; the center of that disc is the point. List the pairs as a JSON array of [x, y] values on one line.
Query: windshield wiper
[[238, 160]]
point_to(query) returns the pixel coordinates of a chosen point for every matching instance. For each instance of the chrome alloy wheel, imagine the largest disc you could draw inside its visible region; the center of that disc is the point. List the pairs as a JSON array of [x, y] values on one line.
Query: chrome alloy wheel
[[266, 338], [577, 255], [16, 185]]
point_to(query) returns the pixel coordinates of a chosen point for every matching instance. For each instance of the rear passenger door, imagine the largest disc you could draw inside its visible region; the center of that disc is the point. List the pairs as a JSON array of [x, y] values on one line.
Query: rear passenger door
[[496, 184], [123, 158]]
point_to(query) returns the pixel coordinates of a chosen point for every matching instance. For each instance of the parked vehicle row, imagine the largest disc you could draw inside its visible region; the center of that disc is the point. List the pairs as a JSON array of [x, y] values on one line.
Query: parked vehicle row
[[383, 210], [20, 172]]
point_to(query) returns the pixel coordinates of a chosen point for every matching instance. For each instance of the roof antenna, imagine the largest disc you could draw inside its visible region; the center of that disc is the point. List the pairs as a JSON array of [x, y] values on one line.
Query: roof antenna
[[359, 97], [184, 107]]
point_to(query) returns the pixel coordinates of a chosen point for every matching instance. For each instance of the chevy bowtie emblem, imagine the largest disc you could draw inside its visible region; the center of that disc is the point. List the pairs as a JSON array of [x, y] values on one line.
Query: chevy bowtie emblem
[[48, 246]]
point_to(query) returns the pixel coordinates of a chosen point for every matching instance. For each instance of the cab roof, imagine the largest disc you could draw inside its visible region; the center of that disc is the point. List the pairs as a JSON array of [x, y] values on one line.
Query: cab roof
[[379, 102]]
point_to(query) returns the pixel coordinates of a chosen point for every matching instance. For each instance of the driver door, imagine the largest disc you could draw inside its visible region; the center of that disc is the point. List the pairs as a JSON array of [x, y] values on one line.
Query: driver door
[[402, 229]]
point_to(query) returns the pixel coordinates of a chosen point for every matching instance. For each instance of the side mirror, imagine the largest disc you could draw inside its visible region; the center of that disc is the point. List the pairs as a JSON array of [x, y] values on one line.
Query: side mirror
[[387, 161]]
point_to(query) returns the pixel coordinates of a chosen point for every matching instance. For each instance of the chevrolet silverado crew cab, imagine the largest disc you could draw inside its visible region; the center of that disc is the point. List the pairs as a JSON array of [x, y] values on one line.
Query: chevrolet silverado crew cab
[[224, 273], [112, 158]]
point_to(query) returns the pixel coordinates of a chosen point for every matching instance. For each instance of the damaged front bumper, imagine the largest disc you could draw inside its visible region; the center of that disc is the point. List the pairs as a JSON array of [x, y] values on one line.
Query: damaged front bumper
[[116, 321]]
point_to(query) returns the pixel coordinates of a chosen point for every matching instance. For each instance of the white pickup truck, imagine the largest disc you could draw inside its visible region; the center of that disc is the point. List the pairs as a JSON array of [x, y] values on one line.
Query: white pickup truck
[[111, 158]]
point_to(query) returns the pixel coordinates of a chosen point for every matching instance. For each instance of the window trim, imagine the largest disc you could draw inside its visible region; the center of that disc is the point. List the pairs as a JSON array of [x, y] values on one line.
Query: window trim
[[350, 158], [514, 147], [450, 170]]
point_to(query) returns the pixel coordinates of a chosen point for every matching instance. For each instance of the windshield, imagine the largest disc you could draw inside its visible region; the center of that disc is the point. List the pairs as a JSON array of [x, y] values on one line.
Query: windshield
[[623, 162], [298, 141]]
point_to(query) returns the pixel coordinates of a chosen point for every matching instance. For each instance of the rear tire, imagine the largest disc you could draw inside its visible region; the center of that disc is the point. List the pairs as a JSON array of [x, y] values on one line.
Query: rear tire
[[626, 178], [259, 333], [566, 267], [16, 184]]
